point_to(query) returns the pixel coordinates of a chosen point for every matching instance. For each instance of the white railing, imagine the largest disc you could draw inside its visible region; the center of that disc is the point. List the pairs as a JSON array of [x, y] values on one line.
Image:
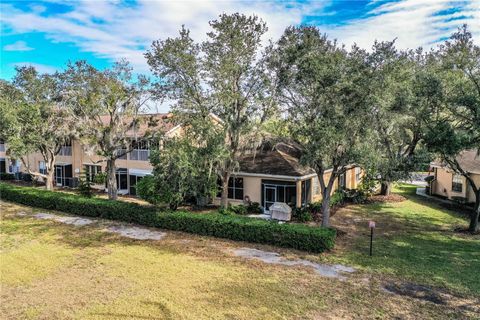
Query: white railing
[[122, 152], [140, 155]]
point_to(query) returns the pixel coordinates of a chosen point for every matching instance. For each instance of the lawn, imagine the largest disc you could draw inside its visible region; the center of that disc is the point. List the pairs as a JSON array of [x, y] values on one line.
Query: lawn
[[51, 270]]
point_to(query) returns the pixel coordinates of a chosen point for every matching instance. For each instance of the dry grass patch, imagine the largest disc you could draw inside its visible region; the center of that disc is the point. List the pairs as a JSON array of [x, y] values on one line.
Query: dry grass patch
[[182, 277]]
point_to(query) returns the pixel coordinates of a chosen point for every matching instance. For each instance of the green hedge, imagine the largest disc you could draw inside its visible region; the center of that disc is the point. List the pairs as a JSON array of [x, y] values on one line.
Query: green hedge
[[314, 239]]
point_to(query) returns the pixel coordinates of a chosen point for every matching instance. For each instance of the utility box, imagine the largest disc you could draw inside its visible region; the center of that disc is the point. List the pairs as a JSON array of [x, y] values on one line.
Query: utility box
[[281, 211]]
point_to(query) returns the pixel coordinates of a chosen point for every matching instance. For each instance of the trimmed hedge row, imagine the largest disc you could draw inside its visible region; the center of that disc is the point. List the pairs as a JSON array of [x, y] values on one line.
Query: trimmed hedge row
[[313, 239]]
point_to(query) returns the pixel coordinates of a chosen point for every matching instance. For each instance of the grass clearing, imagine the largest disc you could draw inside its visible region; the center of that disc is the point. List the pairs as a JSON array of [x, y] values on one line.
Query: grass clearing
[[92, 274], [414, 240]]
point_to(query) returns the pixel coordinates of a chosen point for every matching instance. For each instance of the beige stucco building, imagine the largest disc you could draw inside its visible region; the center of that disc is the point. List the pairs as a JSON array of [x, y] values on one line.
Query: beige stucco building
[[273, 174], [276, 175], [75, 159], [448, 184]]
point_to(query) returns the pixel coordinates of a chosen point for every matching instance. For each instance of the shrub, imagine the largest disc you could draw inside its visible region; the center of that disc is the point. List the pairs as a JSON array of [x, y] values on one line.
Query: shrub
[[254, 208], [355, 196], [85, 188], [314, 239], [233, 209], [147, 190], [315, 207], [337, 198], [7, 176], [302, 214], [238, 209], [100, 178]]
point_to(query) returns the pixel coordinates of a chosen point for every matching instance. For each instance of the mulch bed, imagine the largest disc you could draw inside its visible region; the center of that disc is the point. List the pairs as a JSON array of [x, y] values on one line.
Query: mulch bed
[[390, 198]]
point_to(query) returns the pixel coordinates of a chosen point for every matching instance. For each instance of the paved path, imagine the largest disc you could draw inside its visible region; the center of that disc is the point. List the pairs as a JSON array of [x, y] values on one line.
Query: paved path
[[423, 192]]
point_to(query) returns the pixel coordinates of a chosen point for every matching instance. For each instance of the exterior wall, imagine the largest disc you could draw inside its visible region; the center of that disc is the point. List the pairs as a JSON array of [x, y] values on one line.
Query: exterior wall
[[442, 185], [79, 158], [351, 183], [252, 187]]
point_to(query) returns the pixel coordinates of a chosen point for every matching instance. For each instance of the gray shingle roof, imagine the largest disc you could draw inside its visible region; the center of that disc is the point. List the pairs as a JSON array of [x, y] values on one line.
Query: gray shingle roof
[[469, 161]]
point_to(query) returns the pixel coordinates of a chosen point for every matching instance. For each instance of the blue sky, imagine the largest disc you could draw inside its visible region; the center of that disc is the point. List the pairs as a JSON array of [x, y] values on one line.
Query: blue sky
[[47, 34]]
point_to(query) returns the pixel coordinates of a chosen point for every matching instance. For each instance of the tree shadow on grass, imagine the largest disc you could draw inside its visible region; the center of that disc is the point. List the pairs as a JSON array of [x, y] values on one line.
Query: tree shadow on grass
[[428, 257]]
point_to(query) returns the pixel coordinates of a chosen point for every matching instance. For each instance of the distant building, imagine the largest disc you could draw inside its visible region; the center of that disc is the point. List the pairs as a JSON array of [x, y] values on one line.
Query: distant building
[[448, 184]]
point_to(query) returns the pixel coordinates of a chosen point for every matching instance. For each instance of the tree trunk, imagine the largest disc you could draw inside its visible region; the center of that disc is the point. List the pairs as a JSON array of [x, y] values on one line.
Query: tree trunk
[[224, 199], [111, 180], [326, 208], [50, 165], [474, 225], [49, 179], [386, 188]]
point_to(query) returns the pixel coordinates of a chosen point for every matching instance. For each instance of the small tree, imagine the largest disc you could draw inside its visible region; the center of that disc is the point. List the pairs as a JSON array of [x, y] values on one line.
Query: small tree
[[455, 124], [224, 75], [325, 91], [185, 166], [32, 120], [106, 105]]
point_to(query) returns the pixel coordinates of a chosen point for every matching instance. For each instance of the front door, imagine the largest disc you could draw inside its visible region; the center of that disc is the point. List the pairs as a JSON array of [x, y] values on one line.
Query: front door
[[58, 175], [270, 196]]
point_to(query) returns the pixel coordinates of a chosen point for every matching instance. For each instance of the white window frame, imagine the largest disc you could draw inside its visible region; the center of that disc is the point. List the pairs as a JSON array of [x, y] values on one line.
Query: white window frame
[[457, 183], [358, 172], [91, 170], [42, 168]]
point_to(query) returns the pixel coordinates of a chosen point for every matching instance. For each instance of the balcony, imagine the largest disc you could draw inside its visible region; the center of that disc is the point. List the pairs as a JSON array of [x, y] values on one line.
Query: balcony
[[140, 155], [123, 153], [65, 151]]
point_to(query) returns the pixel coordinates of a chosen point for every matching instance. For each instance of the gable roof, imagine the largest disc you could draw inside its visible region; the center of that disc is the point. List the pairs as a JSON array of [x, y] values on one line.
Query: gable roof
[[469, 161]]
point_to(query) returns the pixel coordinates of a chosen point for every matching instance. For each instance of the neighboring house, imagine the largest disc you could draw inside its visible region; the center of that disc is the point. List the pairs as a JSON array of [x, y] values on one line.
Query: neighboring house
[[275, 175], [448, 184]]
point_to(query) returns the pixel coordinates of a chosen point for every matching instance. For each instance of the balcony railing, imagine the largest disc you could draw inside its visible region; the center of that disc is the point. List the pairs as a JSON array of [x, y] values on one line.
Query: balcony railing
[[123, 153], [65, 151], [140, 155]]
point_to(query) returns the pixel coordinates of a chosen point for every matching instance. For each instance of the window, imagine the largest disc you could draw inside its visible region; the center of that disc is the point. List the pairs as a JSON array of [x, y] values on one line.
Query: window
[[122, 179], [235, 188], [133, 183], [66, 149], [457, 183], [2, 145], [358, 173], [91, 171], [141, 150], [41, 167], [316, 185], [342, 181]]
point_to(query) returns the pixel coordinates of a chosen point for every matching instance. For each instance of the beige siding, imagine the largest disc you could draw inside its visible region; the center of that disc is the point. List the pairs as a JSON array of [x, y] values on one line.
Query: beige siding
[[442, 185], [350, 179]]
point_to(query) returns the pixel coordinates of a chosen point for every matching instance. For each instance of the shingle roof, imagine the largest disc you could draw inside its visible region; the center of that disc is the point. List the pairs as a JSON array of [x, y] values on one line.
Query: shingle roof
[[469, 161], [156, 121], [282, 159]]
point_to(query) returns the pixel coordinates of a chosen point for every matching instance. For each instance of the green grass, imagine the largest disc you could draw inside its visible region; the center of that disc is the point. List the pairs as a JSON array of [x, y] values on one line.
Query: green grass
[[415, 241], [49, 270]]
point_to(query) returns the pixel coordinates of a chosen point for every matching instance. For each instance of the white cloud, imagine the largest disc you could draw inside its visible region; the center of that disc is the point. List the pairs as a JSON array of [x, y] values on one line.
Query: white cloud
[[413, 23], [112, 30], [17, 46], [41, 68]]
